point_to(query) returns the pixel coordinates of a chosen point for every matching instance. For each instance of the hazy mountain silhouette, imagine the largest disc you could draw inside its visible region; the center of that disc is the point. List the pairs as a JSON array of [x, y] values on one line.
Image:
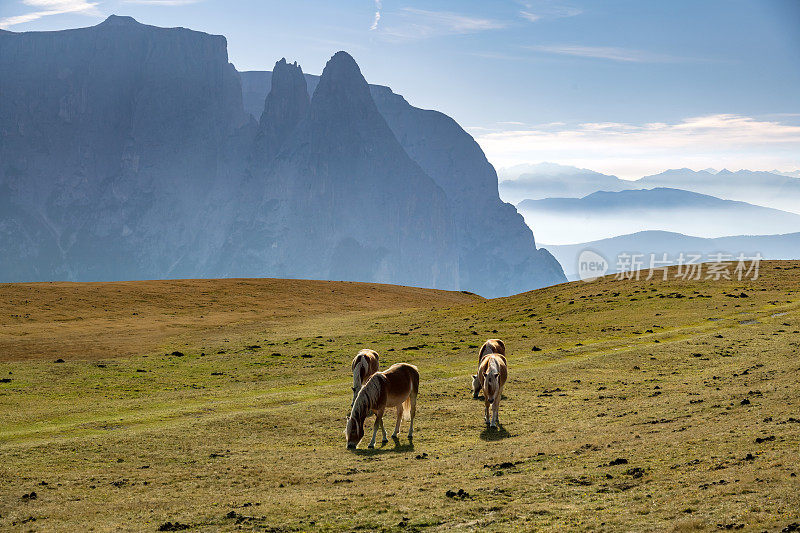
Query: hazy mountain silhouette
[[127, 152], [673, 244], [549, 180], [756, 187], [779, 190], [606, 214]]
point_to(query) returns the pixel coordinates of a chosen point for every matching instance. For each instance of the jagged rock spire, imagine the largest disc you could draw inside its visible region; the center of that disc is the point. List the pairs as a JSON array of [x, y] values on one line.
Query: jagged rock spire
[[285, 106]]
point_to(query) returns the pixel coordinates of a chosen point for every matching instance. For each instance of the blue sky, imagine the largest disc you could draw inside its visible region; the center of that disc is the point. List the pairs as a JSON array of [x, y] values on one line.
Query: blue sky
[[626, 87]]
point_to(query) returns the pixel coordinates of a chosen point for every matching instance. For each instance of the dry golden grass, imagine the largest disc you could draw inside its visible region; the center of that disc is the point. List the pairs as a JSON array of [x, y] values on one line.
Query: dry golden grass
[[100, 320], [691, 384]]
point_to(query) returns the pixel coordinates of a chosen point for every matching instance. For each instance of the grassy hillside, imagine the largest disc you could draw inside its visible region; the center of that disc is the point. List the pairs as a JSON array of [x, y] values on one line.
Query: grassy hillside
[[101, 320], [631, 405]]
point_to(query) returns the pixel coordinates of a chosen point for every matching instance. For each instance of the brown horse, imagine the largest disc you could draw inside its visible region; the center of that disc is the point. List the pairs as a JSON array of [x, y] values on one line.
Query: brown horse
[[492, 374], [365, 363], [490, 346], [397, 386]]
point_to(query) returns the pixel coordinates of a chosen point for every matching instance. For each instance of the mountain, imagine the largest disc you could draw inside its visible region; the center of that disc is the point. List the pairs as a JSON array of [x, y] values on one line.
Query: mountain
[[129, 151], [256, 85], [779, 190], [790, 173], [114, 150], [659, 243], [606, 214], [453, 159], [549, 180], [356, 203], [756, 187]]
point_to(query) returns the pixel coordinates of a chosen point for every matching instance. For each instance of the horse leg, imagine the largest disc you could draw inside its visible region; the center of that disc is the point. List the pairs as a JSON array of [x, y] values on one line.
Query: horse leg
[[496, 410], [383, 430], [378, 423], [486, 411], [413, 414], [399, 418]]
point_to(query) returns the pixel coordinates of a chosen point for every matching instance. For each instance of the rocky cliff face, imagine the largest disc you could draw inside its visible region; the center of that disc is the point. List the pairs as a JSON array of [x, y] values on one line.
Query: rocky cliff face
[[111, 138], [485, 226], [285, 106], [127, 152], [497, 251], [341, 199]]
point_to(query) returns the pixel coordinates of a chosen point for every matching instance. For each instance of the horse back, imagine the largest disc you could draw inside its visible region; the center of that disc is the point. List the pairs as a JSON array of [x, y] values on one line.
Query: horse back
[[370, 359], [492, 346], [402, 380]]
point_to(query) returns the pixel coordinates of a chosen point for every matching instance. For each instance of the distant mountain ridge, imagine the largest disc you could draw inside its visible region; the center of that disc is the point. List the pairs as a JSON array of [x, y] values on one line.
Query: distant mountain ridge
[[129, 151], [756, 187], [549, 180], [778, 190], [602, 215], [658, 243]]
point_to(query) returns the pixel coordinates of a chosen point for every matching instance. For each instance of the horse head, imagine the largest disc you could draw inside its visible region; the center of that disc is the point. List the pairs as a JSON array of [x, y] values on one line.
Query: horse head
[[491, 384], [354, 432]]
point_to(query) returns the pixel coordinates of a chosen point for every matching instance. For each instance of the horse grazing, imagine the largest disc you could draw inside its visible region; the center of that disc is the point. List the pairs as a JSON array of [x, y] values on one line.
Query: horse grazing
[[397, 386], [492, 374], [365, 363], [490, 346]]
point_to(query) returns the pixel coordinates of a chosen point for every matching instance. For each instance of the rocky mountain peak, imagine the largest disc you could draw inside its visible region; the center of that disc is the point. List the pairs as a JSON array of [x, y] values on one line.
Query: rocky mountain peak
[[284, 107], [342, 86], [140, 121], [120, 20]]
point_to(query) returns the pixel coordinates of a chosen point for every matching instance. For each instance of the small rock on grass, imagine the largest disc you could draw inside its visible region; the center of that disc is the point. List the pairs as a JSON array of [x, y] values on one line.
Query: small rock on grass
[[173, 526], [461, 494]]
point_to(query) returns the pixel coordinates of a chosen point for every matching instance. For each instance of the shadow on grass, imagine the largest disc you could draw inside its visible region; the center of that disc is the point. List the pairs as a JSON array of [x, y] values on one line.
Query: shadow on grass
[[498, 433], [396, 447], [481, 398]]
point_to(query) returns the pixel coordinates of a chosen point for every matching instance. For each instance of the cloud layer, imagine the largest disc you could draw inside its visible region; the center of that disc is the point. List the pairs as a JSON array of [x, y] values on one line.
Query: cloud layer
[[410, 24], [634, 150], [44, 8], [611, 53]]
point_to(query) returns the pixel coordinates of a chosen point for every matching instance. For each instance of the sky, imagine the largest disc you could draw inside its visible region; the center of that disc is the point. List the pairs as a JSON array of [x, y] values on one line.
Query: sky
[[629, 88]]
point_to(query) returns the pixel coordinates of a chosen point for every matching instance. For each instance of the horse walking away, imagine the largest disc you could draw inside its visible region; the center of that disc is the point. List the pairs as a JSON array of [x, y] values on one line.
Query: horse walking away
[[492, 374], [490, 346], [397, 386], [365, 363]]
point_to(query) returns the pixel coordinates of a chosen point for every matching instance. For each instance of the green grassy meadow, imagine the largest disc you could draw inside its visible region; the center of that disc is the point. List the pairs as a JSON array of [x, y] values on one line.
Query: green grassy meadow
[[220, 405]]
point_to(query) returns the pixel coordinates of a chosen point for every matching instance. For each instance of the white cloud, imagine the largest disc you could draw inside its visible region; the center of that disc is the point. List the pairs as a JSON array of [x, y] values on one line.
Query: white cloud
[[532, 17], [46, 8], [634, 150], [607, 52], [413, 24], [536, 11], [377, 18]]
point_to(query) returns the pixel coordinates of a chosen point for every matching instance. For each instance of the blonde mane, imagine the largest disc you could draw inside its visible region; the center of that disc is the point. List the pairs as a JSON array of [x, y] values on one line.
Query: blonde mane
[[367, 397]]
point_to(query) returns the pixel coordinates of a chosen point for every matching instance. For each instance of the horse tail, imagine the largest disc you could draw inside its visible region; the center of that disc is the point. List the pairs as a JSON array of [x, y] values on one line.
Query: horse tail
[[412, 395]]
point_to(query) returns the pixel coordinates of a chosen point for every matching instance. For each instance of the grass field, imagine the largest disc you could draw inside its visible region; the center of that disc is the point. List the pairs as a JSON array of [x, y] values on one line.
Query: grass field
[[221, 405]]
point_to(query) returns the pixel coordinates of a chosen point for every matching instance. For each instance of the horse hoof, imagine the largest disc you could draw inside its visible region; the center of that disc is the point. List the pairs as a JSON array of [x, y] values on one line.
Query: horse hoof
[[371, 446], [384, 441]]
